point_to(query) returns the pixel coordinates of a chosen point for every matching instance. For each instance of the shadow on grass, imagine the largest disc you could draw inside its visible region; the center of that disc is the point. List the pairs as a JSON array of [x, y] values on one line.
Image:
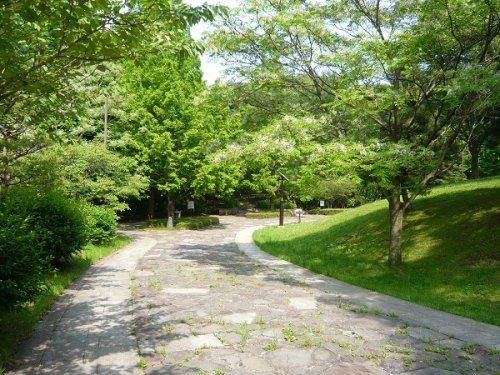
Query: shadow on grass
[[449, 249]]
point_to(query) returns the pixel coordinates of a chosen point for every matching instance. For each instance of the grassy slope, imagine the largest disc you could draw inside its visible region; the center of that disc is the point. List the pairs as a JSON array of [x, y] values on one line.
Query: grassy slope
[[451, 249], [16, 325]]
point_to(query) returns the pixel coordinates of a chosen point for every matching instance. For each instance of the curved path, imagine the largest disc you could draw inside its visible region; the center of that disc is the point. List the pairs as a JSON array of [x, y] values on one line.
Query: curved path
[[191, 302]]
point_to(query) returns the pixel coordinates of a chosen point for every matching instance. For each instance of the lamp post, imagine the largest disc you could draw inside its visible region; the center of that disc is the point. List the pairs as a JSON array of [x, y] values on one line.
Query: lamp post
[[282, 198]]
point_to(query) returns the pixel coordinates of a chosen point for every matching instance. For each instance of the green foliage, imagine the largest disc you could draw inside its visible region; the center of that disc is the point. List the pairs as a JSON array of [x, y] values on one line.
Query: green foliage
[[36, 231], [161, 128], [404, 90], [450, 248], [264, 203], [188, 222], [59, 223], [87, 172], [489, 161], [101, 223], [325, 211], [266, 214], [65, 37], [253, 161], [21, 266]]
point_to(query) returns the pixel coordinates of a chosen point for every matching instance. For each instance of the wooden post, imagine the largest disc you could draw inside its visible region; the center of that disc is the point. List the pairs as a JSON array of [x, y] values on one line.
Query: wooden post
[[105, 132], [282, 204]]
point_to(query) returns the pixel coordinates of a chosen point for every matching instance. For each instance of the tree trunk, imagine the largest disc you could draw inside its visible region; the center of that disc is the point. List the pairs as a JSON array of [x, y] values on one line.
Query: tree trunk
[[406, 198], [5, 175], [105, 132], [170, 210], [151, 203], [396, 215], [474, 148], [271, 202]]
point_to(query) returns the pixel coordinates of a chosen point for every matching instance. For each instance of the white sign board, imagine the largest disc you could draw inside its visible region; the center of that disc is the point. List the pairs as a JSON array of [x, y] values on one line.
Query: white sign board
[[190, 205], [322, 203]]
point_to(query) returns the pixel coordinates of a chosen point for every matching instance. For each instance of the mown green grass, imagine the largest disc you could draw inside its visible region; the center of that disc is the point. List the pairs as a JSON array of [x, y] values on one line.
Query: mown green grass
[[14, 326], [188, 222], [450, 249]]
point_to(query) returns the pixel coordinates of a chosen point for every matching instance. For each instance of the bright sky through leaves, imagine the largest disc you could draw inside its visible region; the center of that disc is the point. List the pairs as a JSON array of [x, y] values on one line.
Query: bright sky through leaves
[[212, 68]]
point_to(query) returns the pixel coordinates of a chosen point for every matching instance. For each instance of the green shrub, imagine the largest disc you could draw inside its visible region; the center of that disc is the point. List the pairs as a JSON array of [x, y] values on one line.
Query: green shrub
[[489, 161], [262, 204], [266, 214], [195, 222], [188, 222], [21, 266], [60, 225], [37, 229], [101, 223], [325, 211], [231, 203], [265, 204]]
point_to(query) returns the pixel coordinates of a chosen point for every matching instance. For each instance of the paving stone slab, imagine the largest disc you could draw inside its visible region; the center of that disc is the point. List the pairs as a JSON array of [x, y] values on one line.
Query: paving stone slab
[[216, 307], [193, 342]]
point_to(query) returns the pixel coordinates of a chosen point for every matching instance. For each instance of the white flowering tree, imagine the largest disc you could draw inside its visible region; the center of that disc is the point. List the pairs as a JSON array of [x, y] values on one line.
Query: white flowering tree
[[253, 162]]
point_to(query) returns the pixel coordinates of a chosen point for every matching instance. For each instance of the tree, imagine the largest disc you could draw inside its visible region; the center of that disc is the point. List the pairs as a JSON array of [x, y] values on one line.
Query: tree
[[253, 162], [425, 97], [43, 45], [330, 173], [158, 93], [86, 172], [403, 70]]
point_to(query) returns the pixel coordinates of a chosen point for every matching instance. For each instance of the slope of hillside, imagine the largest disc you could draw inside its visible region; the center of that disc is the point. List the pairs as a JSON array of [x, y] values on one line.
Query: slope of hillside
[[451, 249]]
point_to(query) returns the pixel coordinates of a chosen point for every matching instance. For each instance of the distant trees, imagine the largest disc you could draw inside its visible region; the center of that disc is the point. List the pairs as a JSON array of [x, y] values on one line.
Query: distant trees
[[403, 79]]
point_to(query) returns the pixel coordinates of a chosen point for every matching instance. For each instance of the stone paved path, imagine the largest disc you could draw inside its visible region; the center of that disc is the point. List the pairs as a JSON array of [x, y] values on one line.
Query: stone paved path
[[89, 328], [201, 306]]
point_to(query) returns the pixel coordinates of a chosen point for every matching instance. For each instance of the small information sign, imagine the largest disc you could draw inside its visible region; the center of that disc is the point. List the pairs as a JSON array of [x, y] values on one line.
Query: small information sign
[[190, 205], [322, 203]]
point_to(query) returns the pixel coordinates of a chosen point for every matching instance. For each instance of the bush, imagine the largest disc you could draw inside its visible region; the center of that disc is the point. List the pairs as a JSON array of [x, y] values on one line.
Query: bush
[[265, 204], [189, 222], [55, 222], [101, 223], [21, 266], [195, 222], [262, 204], [60, 225], [325, 211], [266, 214], [36, 230]]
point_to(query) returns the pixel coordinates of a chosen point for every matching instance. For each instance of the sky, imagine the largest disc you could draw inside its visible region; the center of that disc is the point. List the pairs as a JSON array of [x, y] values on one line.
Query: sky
[[212, 69]]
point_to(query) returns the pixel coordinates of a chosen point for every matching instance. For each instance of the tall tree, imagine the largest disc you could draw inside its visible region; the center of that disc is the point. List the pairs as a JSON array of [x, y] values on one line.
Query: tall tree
[[409, 75], [158, 92], [44, 44]]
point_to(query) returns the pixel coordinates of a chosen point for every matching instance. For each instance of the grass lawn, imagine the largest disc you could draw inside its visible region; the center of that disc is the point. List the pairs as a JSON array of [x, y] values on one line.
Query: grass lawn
[[451, 249], [14, 326], [188, 222]]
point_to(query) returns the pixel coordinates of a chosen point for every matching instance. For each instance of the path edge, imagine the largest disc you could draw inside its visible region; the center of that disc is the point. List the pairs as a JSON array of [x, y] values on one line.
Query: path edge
[[465, 329]]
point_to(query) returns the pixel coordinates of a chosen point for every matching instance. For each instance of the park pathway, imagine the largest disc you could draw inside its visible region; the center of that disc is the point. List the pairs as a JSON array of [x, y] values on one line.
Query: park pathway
[[194, 302]]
